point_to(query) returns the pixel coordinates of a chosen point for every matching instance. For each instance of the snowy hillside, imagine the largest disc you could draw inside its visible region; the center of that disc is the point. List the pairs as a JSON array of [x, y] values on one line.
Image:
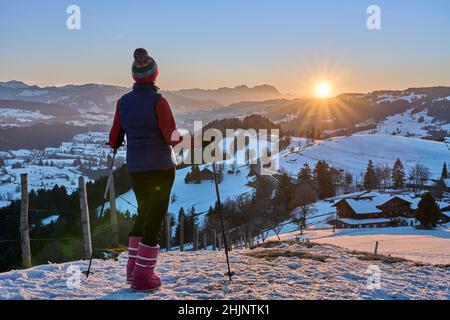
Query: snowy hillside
[[280, 271], [410, 124], [353, 152], [53, 166], [200, 196], [14, 117]]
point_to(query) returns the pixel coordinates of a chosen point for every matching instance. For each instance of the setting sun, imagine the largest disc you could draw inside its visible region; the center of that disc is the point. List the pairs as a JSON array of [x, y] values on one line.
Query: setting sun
[[323, 90]]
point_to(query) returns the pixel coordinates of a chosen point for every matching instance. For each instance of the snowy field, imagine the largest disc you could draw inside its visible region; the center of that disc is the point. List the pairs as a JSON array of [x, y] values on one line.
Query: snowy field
[[287, 271], [427, 246], [407, 124], [352, 153]]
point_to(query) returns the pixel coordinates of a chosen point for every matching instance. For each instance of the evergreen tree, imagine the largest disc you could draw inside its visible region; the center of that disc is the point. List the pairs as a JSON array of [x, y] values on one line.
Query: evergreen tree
[[187, 178], [305, 175], [263, 189], [196, 175], [190, 221], [428, 211], [444, 174], [284, 192], [323, 179], [370, 179], [181, 213], [398, 175]]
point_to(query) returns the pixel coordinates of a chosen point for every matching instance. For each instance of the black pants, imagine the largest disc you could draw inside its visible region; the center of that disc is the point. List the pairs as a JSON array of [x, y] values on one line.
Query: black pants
[[152, 190]]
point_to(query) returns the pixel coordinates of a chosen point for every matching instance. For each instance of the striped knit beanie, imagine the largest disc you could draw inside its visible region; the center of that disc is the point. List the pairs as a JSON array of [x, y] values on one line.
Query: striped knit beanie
[[144, 69]]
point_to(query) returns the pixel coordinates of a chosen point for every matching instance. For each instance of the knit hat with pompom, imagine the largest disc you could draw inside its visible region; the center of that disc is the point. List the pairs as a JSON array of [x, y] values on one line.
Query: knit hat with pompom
[[144, 69]]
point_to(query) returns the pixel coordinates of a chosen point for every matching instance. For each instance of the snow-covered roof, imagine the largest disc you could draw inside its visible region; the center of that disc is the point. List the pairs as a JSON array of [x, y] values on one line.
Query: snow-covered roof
[[368, 202], [415, 202], [363, 221], [363, 206]]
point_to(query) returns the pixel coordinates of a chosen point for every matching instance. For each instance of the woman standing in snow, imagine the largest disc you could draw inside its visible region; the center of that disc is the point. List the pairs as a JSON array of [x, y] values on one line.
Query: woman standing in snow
[[145, 117]]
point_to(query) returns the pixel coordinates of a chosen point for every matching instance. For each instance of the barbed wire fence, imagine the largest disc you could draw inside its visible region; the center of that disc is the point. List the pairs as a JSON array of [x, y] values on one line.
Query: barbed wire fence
[[24, 240]]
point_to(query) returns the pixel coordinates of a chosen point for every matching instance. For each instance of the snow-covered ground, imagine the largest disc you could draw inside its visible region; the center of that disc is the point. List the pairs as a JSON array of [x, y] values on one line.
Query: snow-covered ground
[[53, 166], [200, 196], [405, 95], [427, 246], [10, 117], [353, 152], [407, 124], [286, 271]]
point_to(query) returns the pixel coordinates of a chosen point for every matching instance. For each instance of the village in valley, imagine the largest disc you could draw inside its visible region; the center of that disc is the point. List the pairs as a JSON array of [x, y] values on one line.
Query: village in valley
[[85, 155]]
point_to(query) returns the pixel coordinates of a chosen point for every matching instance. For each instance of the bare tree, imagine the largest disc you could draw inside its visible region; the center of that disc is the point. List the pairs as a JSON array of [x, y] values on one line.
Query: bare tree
[[419, 175], [383, 173], [276, 217], [348, 180], [304, 201], [264, 235]]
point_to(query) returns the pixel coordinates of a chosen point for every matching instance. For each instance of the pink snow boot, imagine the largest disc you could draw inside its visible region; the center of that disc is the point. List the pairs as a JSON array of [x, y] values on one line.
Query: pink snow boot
[[133, 243], [144, 276]]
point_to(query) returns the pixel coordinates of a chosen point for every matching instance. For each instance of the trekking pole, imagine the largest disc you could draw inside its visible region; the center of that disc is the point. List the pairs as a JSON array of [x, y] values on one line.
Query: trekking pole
[[229, 273], [105, 197]]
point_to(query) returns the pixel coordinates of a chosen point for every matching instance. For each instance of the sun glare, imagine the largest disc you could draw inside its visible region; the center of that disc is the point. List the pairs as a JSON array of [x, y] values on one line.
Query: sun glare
[[323, 90]]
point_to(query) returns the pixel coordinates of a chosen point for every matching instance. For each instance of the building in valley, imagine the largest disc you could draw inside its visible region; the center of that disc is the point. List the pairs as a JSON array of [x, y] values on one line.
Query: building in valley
[[375, 210]]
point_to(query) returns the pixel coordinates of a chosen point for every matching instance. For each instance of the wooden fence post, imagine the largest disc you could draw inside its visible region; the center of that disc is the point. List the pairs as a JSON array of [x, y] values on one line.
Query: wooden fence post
[[219, 242], [214, 239], [181, 222], [87, 244], [205, 241], [195, 235], [24, 228], [168, 232], [376, 248], [112, 209]]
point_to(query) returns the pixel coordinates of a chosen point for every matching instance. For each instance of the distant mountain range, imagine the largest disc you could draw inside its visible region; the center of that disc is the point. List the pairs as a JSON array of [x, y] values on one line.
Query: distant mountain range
[[226, 96], [102, 98], [91, 107]]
